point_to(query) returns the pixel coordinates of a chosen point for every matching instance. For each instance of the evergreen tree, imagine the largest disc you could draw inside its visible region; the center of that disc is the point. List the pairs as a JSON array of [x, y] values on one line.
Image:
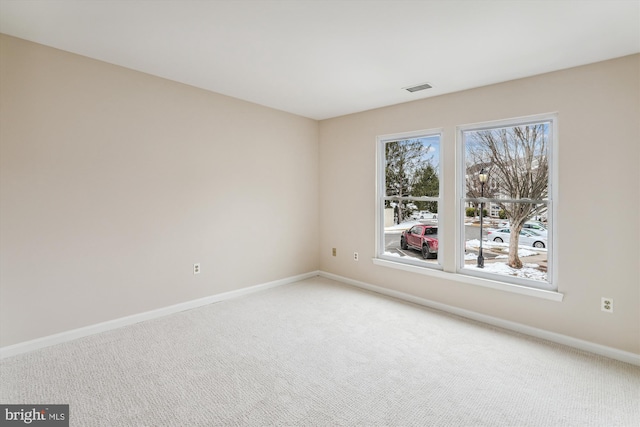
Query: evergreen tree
[[407, 174], [427, 184]]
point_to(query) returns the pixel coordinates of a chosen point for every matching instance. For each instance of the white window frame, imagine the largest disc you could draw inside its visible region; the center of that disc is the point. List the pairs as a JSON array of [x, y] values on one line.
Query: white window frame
[[382, 140], [447, 269], [552, 284]]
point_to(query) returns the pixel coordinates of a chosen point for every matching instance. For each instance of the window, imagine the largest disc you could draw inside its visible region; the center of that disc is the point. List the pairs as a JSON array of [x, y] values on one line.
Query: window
[[505, 198], [408, 198]]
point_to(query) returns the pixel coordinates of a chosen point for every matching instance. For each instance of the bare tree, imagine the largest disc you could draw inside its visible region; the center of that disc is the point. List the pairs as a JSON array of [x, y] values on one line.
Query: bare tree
[[518, 161]]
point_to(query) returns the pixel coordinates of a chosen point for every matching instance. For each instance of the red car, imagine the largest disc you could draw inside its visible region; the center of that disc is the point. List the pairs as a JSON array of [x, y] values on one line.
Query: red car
[[423, 238]]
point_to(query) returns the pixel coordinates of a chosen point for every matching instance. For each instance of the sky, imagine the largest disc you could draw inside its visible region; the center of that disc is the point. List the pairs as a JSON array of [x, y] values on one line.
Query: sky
[[434, 151]]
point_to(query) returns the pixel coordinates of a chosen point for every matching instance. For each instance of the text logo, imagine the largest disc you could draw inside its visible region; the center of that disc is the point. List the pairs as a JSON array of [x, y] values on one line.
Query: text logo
[[34, 415]]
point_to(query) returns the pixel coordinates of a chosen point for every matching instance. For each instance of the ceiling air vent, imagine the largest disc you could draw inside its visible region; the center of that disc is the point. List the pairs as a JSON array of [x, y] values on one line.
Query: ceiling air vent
[[418, 87]]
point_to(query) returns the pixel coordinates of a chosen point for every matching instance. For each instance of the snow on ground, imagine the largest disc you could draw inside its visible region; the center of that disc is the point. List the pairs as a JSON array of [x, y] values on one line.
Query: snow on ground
[[394, 254], [528, 271]]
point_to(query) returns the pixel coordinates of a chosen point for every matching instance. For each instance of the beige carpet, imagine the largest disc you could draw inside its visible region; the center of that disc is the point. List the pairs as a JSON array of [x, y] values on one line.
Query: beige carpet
[[319, 353]]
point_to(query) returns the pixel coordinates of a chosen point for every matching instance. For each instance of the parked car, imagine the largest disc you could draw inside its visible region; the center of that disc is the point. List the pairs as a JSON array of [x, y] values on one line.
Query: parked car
[[528, 237], [529, 225], [424, 215], [423, 238]]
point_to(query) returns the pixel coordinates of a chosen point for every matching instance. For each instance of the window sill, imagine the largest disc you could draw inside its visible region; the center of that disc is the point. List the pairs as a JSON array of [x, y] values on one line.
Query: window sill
[[457, 277]]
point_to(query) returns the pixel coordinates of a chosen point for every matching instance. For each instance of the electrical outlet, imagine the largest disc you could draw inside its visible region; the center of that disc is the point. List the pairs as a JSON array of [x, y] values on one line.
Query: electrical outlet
[[607, 305], [355, 256], [196, 268], [333, 251]]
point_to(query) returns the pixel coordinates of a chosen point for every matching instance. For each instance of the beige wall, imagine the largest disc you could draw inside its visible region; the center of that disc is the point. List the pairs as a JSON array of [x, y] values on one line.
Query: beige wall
[[113, 183], [598, 205]]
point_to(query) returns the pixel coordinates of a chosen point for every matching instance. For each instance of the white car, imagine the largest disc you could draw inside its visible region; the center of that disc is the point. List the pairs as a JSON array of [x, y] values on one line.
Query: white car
[[424, 215], [536, 226], [528, 237]]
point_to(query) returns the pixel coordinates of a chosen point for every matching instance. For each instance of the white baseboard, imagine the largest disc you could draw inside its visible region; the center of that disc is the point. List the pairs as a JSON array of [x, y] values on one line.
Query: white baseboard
[[71, 335], [613, 353]]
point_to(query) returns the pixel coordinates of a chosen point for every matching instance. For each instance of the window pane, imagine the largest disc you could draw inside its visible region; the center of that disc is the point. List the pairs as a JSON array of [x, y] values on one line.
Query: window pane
[[409, 197], [412, 168], [515, 161], [531, 245], [415, 239], [506, 172]]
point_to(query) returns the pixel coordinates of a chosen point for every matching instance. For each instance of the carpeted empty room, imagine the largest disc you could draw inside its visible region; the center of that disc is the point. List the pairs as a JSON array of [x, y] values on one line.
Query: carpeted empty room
[[322, 353], [310, 213]]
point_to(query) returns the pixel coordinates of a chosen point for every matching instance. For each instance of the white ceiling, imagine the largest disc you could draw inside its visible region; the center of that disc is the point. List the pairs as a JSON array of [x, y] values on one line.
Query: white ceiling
[[323, 59]]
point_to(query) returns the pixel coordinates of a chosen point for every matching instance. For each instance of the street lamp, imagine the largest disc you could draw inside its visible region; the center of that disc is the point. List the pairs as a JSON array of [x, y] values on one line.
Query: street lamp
[[483, 177]]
